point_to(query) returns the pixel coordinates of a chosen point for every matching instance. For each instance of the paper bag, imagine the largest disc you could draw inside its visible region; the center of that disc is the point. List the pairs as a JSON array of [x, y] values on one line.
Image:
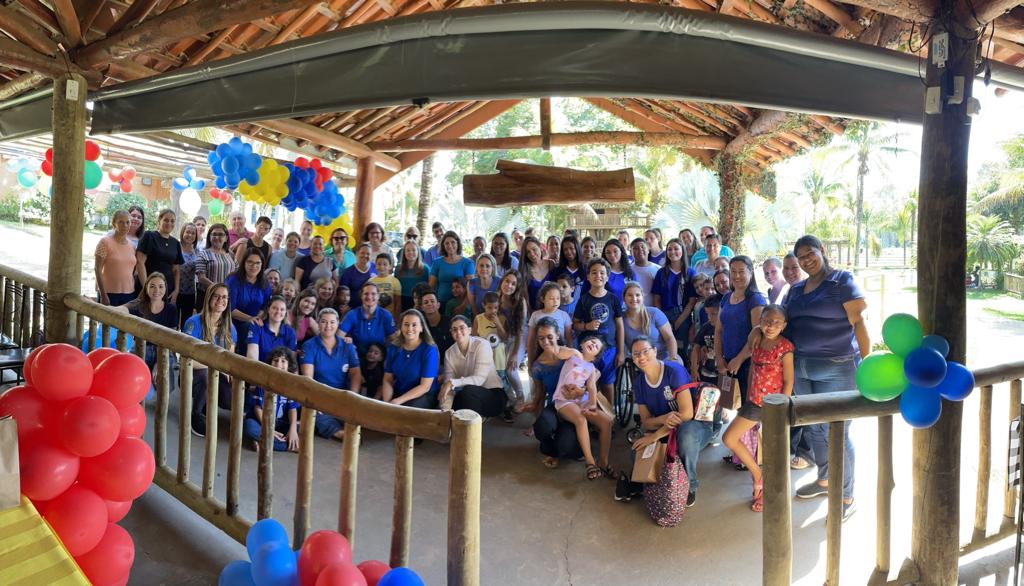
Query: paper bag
[[10, 478], [649, 462], [730, 392]]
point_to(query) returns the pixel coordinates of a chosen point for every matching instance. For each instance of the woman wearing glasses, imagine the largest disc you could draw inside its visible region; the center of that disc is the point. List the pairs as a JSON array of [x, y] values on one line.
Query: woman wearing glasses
[[213, 263], [373, 235], [339, 251]]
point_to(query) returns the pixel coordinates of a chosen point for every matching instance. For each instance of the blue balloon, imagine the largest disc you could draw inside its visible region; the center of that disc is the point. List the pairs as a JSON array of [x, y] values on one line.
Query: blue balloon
[[221, 182], [920, 406], [924, 367], [229, 164], [213, 157], [958, 382], [180, 184], [275, 565], [263, 532], [237, 573], [197, 184], [400, 577], [937, 343]]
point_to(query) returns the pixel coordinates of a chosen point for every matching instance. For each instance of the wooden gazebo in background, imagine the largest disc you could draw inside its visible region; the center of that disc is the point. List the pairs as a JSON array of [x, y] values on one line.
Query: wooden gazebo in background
[[715, 113]]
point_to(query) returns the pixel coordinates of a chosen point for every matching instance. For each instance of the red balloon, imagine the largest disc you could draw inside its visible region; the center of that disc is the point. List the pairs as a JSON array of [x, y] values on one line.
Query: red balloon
[[27, 407], [97, 356], [49, 154], [321, 549], [122, 473], [78, 517], [373, 571], [341, 575], [47, 167], [128, 173], [88, 426], [133, 420], [61, 372], [111, 560], [122, 379], [26, 369], [126, 186], [92, 151], [46, 470], [114, 176], [117, 510]]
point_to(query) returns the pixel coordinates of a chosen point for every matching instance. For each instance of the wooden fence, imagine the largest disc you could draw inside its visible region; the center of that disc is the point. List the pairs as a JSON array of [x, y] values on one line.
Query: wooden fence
[[781, 413], [1014, 284], [23, 315]]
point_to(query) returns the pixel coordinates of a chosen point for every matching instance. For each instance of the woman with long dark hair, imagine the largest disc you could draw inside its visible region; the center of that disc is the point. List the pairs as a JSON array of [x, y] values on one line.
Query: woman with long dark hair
[[740, 311], [411, 271], [557, 437], [534, 268], [249, 294], [621, 271], [160, 251], [503, 259], [213, 326], [452, 265], [512, 305], [187, 297], [411, 366]]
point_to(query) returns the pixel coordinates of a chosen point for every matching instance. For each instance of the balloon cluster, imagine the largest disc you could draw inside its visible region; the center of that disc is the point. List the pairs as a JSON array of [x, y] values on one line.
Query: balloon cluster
[[272, 186], [324, 560], [93, 172], [916, 371], [24, 170], [220, 197], [234, 161], [123, 178], [310, 188], [343, 221], [81, 457], [188, 187]]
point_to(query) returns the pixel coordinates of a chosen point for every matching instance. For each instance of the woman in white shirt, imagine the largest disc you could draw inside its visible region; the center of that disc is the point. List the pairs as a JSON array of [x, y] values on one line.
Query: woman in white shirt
[[470, 378]]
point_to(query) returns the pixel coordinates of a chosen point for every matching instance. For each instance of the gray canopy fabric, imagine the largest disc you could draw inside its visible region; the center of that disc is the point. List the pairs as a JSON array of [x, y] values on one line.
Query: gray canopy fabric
[[530, 50]]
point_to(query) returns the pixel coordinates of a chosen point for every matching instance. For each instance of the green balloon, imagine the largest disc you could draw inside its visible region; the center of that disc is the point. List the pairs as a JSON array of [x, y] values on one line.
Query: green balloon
[[216, 207], [880, 376], [902, 333], [93, 175]]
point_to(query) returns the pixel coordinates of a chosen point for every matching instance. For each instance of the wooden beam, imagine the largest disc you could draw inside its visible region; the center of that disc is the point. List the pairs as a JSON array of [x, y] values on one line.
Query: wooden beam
[[320, 136], [295, 24], [137, 11], [988, 10], [489, 111], [42, 15], [365, 183], [646, 124], [518, 184], [545, 123], [21, 57], [1010, 26], [411, 113], [554, 140], [196, 18], [127, 70], [89, 14], [68, 19], [838, 14], [918, 11], [21, 84], [24, 29], [210, 46]]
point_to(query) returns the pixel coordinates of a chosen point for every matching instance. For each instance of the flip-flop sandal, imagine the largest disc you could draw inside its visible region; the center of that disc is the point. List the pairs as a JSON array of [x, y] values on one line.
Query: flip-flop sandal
[[608, 472], [594, 472], [550, 462], [757, 504]]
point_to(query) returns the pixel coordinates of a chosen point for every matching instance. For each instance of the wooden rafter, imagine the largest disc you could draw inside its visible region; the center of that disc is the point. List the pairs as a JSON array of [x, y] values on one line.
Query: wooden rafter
[[644, 123], [137, 11], [27, 31], [406, 117], [320, 136], [556, 140], [64, 10], [42, 15], [21, 84]]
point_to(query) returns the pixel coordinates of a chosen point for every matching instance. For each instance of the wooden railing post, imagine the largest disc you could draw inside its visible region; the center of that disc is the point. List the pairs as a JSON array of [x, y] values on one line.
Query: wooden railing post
[[401, 518], [834, 522], [67, 202], [163, 397], [210, 454], [304, 477], [777, 520], [349, 476], [886, 484], [265, 464], [184, 419], [464, 499], [984, 461], [235, 444]]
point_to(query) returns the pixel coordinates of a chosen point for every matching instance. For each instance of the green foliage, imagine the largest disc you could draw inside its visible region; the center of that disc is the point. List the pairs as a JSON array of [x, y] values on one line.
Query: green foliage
[[989, 242], [9, 208], [123, 201]]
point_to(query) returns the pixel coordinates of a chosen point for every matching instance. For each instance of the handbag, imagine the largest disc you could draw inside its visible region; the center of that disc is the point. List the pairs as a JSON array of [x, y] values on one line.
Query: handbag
[[649, 462], [666, 498]]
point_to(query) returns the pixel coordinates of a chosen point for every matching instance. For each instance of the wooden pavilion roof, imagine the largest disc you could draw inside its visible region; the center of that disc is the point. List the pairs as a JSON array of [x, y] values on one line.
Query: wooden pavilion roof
[[114, 41]]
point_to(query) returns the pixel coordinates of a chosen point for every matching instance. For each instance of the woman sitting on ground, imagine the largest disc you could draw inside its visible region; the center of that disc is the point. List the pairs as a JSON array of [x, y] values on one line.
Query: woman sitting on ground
[[330, 360], [470, 379], [557, 437], [212, 325], [286, 411], [410, 369]]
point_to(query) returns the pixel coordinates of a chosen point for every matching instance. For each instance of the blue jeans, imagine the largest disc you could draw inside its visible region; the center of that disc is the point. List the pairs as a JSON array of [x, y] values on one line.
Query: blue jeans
[[815, 376], [691, 437], [251, 431]]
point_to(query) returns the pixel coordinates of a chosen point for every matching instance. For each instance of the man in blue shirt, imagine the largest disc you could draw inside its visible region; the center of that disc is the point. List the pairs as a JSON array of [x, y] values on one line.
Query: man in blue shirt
[[702, 254], [434, 252]]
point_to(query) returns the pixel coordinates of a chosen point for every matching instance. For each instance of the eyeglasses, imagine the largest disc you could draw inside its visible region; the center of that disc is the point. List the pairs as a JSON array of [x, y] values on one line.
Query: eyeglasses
[[342, 238], [641, 353]]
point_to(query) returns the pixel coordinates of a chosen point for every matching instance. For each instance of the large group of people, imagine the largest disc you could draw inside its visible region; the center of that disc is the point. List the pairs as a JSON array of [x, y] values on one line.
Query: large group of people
[[437, 327]]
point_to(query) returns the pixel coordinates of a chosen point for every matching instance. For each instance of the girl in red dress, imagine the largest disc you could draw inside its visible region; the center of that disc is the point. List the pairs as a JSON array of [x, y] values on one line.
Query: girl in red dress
[[771, 372]]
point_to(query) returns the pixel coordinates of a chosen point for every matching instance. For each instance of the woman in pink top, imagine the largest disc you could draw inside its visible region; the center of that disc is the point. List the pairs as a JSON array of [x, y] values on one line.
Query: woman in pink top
[[115, 263]]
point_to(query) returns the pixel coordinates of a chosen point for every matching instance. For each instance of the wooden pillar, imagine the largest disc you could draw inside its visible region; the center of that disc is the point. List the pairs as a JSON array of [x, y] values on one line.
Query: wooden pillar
[[942, 305], [731, 201], [365, 171], [66, 209], [545, 123]]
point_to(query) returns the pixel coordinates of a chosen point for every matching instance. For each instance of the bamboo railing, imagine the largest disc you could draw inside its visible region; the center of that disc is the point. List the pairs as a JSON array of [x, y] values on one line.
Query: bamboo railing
[[781, 413], [461, 430]]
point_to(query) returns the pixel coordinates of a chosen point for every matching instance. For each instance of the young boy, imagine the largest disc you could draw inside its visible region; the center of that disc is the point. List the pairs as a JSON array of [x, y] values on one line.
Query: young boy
[[490, 325], [702, 355], [387, 283], [600, 311], [459, 303], [567, 288]]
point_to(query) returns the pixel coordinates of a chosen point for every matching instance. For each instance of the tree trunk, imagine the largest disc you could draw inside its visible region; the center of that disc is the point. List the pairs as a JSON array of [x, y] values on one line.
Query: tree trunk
[[731, 200], [942, 308], [426, 197], [862, 171]]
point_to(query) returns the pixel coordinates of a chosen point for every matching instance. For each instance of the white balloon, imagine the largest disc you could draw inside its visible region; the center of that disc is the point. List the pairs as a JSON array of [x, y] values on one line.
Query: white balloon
[[44, 184], [190, 202]]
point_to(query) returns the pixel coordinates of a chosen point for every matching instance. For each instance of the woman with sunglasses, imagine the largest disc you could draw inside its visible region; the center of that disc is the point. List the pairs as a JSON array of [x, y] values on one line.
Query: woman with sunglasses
[[339, 251]]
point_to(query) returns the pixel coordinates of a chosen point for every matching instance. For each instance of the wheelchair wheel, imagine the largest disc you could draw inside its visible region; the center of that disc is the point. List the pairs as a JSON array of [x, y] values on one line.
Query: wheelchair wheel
[[624, 398], [634, 434]]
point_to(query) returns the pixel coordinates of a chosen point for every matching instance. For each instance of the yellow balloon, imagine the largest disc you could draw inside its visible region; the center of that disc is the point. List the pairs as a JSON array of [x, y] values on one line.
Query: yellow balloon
[[272, 187]]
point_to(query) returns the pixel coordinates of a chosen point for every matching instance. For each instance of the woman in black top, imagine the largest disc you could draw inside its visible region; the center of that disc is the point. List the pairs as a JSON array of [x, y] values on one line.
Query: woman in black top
[[160, 252]]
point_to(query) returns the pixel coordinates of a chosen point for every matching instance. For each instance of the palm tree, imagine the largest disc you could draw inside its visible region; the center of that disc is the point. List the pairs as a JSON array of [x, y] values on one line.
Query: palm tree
[[989, 241], [903, 224], [1007, 201], [864, 144], [818, 185], [426, 197]]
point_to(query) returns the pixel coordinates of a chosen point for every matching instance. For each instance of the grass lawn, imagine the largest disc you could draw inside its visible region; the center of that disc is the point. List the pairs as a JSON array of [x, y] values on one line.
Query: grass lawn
[[1015, 315]]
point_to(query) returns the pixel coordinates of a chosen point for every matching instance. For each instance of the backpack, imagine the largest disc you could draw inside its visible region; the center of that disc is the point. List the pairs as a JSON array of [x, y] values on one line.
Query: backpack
[[666, 498]]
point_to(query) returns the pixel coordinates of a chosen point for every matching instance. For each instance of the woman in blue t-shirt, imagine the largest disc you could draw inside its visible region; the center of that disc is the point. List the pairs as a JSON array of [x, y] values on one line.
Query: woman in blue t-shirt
[[249, 295], [740, 310], [272, 332], [620, 271], [449, 267], [212, 325], [411, 366], [671, 291], [330, 360], [826, 324], [535, 270], [557, 436]]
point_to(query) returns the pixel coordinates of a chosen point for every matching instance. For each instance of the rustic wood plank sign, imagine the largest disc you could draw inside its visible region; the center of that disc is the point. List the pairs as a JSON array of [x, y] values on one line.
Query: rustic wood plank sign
[[525, 184]]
